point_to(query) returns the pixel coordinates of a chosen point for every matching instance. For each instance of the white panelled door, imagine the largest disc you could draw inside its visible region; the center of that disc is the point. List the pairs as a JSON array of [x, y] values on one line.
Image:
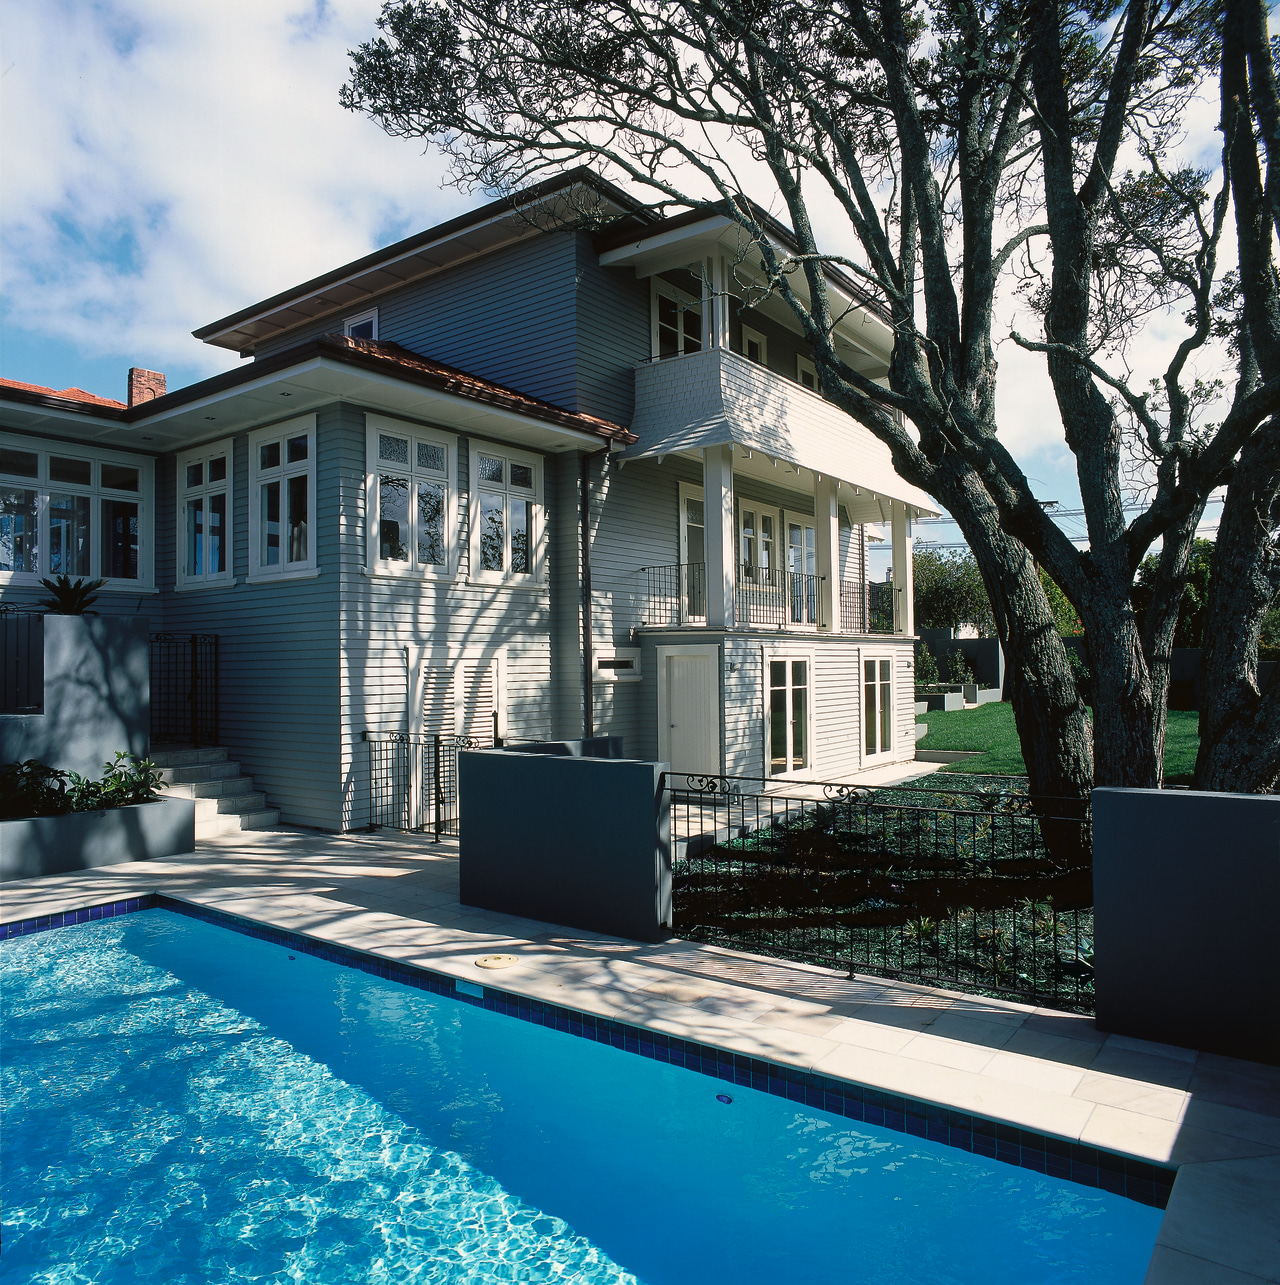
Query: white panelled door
[[689, 709]]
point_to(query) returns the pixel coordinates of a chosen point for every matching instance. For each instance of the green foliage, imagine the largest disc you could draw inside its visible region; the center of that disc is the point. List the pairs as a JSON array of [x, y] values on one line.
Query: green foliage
[[1065, 615], [70, 599], [32, 789], [1082, 674], [1270, 636], [1195, 597], [926, 667], [958, 667], [949, 591]]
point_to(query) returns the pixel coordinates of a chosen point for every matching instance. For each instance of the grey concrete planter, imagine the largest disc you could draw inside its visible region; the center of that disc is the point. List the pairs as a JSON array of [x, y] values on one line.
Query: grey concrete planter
[[81, 840]]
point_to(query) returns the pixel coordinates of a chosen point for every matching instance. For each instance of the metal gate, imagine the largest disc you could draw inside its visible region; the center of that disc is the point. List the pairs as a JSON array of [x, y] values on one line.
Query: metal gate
[[184, 688]]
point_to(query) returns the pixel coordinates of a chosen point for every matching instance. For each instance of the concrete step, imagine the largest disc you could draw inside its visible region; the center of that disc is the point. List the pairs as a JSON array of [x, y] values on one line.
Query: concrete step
[[229, 805], [210, 789], [186, 755], [230, 823], [199, 772]]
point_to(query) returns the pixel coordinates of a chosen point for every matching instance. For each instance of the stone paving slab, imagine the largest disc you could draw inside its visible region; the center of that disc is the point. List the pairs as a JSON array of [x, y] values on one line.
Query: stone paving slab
[[1216, 1119]]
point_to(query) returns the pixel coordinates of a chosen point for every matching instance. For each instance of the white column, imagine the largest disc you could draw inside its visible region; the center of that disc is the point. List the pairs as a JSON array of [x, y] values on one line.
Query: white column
[[721, 538], [715, 302], [827, 534], [903, 579]]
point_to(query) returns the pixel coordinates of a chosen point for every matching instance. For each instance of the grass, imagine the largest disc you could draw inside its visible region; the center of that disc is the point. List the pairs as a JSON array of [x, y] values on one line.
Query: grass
[[989, 729]]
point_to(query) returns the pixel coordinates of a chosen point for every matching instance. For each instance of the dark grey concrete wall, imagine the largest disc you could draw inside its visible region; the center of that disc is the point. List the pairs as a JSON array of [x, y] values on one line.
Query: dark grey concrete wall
[[97, 696], [984, 654], [576, 841], [1186, 888], [83, 840]]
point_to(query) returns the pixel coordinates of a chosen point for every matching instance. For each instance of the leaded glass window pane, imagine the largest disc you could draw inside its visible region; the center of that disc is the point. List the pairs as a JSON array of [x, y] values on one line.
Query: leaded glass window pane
[[395, 450], [431, 457]]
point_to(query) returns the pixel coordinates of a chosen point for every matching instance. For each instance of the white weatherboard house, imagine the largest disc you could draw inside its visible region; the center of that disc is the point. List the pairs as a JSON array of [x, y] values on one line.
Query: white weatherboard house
[[380, 513]]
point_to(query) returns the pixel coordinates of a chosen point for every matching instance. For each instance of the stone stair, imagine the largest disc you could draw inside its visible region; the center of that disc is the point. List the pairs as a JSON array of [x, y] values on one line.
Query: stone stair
[[225, 799]]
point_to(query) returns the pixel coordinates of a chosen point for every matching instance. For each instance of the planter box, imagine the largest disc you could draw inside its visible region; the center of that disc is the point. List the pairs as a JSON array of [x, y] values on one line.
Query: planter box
[[36, 846], [975, 695], [945, 701]]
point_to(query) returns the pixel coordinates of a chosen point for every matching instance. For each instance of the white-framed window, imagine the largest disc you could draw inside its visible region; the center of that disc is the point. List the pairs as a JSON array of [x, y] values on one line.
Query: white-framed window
[[692, 572], [788, 713], [77, 511], [506, 515], [282, 499], [677, 321], [204, 508], [412, 489], [807, 374], [802, 568], [363, 325], [755, 347], [877, 705]]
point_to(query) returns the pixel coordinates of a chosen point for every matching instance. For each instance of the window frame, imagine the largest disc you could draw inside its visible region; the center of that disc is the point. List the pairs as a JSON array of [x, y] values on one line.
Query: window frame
[[685, 302], [805, 365], [202, 454], [45, 449], [533, 578], [267, 573], [788, 654], [750, 334], [359, 318], [375, 427], [877, 656]]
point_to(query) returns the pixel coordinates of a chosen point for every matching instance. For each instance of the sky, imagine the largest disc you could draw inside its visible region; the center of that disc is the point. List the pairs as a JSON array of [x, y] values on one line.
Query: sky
[[167, 162]]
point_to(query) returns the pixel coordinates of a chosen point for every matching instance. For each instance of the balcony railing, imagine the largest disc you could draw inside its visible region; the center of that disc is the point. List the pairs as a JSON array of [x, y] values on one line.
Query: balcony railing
[[764, 596], [869, 608]]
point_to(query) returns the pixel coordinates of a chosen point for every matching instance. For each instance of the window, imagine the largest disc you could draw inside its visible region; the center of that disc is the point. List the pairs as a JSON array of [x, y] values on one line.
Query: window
[[411, 498], [787, 714], [755, 346], [877, 706], [693, 554], [758, 544], [282, 493], [807, 373], [362, 326], [677, 321], [204, 516], [505, 514], [74, 511]]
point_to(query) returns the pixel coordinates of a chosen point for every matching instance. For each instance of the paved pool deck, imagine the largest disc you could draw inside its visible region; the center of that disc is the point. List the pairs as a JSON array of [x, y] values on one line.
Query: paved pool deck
[[1216, 1119]]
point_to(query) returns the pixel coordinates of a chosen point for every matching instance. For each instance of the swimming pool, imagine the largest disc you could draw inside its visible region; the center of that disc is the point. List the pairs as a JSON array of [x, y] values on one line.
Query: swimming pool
[[185, 1104]]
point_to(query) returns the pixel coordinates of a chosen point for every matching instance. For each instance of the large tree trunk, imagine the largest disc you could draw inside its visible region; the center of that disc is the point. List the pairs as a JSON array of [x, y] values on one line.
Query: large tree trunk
[[1240, 724]]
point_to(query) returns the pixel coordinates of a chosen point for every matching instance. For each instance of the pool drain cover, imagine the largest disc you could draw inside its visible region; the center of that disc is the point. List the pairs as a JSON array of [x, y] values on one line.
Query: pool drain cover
[[497, 961]]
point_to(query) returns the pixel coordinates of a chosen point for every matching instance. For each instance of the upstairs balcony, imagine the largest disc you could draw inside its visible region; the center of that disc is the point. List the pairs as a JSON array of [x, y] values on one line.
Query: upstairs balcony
[[769, 598]]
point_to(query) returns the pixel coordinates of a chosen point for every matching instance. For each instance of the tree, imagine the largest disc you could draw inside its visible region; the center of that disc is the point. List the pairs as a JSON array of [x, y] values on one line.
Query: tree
[[951, 139], [949, 591], [1189, 629]]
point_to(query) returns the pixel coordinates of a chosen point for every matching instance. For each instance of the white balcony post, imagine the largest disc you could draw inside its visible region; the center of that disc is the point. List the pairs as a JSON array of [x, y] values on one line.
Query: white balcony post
[[721, 539], [827, 533], [903, 579], [715, 302]]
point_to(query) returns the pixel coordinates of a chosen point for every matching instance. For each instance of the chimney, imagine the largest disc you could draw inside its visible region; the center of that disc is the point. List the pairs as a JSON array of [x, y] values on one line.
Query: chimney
[[144, 385]]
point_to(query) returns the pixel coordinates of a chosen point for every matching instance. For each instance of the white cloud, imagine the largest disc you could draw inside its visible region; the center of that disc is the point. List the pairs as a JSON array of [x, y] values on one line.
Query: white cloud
[[167, 163]]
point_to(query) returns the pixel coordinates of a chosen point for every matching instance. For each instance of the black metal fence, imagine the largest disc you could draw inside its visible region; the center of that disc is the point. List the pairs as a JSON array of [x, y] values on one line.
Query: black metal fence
[[677, 595], [21, 660], [413, 780], [979, 887], [184, 688]]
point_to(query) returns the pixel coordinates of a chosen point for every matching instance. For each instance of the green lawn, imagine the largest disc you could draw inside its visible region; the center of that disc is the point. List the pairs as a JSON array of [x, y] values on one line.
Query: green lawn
[[989, 728]]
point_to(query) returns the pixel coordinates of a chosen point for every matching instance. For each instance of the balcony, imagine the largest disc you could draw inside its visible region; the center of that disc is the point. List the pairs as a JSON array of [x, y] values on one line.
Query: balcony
[[768, 598]]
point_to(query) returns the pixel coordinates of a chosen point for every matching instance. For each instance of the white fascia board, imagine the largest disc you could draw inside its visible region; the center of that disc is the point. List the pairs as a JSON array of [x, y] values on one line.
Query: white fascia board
[[664, 244]]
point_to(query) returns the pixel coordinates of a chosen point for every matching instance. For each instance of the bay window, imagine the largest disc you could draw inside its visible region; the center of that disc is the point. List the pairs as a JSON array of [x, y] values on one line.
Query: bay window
[[282, 483], [412, 490], [74, 511]]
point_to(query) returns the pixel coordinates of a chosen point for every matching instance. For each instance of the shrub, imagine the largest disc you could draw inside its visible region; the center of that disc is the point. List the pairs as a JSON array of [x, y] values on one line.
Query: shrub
[[959, 668], [926, 667], [33, 789], [70, 599]]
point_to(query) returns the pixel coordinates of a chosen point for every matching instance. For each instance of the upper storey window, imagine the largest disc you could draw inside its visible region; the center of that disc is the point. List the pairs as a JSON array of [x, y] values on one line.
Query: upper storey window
[[282, 499], [74, 511], [362, 326], [677, 321]]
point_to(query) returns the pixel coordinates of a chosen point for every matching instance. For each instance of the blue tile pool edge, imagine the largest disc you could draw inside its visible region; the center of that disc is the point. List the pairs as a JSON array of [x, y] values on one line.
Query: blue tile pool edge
[[1057, 1157]]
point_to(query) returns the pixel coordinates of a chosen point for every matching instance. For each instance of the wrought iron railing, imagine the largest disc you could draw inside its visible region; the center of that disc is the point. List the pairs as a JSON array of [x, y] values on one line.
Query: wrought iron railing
[[979, 887], [677, 595], [21, 660], [184, 688], [413, 780], [884, 607]]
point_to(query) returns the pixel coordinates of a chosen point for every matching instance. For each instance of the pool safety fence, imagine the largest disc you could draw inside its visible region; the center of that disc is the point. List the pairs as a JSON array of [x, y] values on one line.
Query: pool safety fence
[[413, 780], [184, 689], [1058, 1157], [981, 887]]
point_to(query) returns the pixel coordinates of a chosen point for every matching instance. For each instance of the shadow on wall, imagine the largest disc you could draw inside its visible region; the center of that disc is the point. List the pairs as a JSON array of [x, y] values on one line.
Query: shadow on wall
[[97, 696]]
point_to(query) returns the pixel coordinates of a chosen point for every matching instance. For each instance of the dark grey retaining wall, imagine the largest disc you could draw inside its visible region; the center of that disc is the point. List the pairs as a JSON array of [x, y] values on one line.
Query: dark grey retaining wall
[[583, 842], [984, 654], [97, 696], [82, 840], [1186, 889]]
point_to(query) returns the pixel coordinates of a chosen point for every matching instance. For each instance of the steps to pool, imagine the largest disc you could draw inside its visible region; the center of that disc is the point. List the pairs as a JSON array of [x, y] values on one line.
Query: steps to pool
[[226, 800]]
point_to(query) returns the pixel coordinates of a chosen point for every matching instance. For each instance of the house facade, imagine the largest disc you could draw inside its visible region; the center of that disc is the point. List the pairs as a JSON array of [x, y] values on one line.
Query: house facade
[[507, 476]]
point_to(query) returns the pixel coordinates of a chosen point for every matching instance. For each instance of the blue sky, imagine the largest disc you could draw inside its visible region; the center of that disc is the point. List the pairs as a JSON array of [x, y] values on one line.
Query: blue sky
[[167, 164]]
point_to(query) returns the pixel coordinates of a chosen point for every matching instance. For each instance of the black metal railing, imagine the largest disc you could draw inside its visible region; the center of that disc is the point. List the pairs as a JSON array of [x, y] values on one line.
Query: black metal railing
[[677, 595], [413, 780], [184, 688], [980, 887], [21, 660], [884, 607]]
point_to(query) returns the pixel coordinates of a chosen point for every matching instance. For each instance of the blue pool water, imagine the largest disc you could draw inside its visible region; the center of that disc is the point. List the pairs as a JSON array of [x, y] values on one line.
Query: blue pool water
[[183, 1104]]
